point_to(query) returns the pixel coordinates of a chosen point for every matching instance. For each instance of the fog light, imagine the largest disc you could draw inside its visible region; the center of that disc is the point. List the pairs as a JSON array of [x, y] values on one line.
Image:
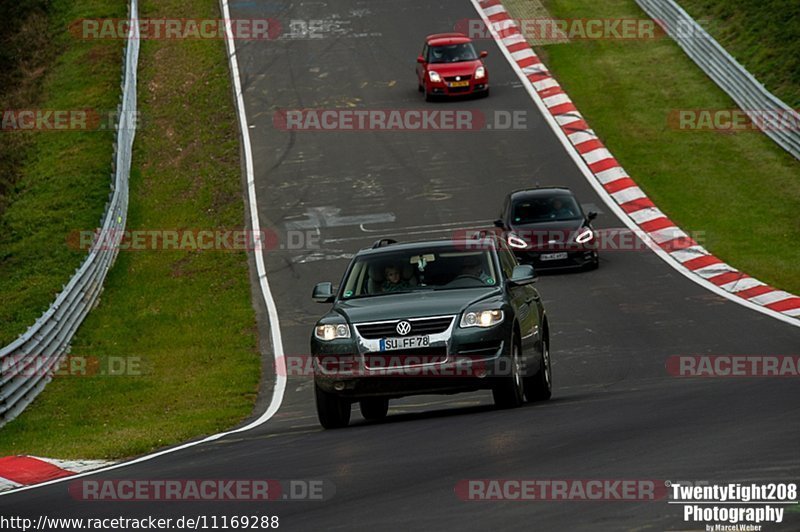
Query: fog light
[[338, 386]]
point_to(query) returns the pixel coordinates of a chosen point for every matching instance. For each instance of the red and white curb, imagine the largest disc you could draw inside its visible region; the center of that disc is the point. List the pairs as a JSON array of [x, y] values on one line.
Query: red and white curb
[[18, 471], [687, 254]]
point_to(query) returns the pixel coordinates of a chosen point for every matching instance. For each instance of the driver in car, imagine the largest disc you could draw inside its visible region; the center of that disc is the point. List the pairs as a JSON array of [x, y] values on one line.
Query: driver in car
[[471, 267], [560, 210]]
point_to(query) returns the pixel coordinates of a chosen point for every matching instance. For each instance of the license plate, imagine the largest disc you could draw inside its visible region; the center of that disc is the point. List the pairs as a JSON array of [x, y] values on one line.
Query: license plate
[[459, 84], [554, 256], [409, 342]]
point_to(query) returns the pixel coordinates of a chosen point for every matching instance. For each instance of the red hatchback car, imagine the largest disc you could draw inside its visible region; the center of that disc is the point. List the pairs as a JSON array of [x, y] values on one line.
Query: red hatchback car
[[450, 66]]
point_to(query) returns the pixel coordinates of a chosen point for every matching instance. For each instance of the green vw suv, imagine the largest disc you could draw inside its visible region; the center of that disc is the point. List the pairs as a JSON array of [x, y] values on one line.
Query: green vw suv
[[436, 317]]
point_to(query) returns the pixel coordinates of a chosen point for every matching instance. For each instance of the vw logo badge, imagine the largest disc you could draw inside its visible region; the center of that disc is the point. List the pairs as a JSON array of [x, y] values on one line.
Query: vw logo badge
[[458, 78], [403, 328]]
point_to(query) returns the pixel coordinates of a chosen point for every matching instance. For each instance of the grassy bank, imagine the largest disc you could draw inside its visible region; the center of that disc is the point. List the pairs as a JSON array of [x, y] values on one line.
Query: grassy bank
[[764, 36], [177, 324], [50, 182], [740, 190]]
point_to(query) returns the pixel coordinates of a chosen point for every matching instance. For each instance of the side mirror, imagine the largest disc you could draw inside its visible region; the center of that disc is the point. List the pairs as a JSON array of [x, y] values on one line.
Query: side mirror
[[591, 215], [323, 293], [499, 223], [421, 60], [522, 275], [484, 54]]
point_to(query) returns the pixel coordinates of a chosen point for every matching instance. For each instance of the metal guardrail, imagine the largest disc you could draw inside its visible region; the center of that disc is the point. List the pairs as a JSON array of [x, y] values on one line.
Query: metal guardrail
[[726, 72], [27, 364]]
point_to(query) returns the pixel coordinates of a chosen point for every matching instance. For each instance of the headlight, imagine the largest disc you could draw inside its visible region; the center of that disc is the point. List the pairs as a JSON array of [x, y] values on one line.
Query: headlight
[[516, 242], [331, 332], [480, 72], [584, 236], [481, 318], [434, 76]]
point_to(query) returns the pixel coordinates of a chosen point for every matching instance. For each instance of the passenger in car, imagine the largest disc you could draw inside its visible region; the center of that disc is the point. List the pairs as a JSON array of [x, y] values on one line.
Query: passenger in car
[[393, 280]]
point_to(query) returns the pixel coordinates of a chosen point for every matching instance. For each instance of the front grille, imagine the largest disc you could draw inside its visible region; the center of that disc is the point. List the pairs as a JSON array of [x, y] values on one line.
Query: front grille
[[388, 329], [405, 357], [462, 78], [459, 89]]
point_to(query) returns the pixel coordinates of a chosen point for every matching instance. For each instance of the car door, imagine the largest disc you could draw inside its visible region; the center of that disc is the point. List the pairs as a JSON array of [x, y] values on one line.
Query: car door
[[525, 300], [421, 66]]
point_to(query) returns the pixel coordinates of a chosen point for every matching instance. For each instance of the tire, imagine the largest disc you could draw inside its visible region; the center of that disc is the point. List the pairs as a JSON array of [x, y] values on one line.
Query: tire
[[509, 391], [374, 409], [420, 88], [539, 387], [428, 96], [485, 94], [333, 411]]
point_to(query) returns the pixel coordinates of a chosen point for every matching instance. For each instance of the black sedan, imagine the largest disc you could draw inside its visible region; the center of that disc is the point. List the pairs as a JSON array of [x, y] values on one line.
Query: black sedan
[[547, 227], [429, 317]]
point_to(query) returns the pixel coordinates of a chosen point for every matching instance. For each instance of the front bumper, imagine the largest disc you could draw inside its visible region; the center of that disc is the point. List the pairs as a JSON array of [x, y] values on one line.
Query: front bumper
[[443, 88], [575, 258], [456, 360]]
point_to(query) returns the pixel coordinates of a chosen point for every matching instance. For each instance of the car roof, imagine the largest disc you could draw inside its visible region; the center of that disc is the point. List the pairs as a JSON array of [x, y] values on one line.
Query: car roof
[[539, 192], [440, 39], [487, 242]]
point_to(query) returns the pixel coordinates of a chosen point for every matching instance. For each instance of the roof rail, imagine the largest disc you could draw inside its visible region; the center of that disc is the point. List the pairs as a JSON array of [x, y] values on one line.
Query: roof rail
[[383, 242]]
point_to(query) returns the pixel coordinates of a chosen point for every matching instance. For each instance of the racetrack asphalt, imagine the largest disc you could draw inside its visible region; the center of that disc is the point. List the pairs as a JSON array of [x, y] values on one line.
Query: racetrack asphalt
[[616, 413]]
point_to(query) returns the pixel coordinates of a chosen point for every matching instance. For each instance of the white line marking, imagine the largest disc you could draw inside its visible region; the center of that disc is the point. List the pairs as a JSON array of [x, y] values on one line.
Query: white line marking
[[712, 270], [545, 84], [692, 252], [616, 209], [742, 284], [568, 118], [771, 297], [647, 214], [274, 325], [558, 99], [612, 174], [494, 10], [628, 194], [595, 156]]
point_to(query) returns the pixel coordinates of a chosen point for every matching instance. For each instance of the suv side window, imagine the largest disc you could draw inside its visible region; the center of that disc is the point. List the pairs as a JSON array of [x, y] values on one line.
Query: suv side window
[[507, 259]]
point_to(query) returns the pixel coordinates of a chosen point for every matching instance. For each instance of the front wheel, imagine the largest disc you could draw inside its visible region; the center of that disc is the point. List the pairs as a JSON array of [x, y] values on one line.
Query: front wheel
[[374, 409], [333, 411], [539, 387], [508, 392]]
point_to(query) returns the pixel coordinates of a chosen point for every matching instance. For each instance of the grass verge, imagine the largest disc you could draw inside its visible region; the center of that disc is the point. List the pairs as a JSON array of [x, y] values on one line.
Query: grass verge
[[740, 190], [764, 36], [177, 325], [51, 182]]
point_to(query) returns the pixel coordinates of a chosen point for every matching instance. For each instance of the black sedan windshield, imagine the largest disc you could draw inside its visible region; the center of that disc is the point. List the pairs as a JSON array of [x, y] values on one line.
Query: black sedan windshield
[[536, 210]]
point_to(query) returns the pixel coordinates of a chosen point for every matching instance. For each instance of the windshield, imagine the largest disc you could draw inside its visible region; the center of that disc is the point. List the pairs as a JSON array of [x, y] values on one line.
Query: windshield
[[452, 53], [551, 209], [418, 270]]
